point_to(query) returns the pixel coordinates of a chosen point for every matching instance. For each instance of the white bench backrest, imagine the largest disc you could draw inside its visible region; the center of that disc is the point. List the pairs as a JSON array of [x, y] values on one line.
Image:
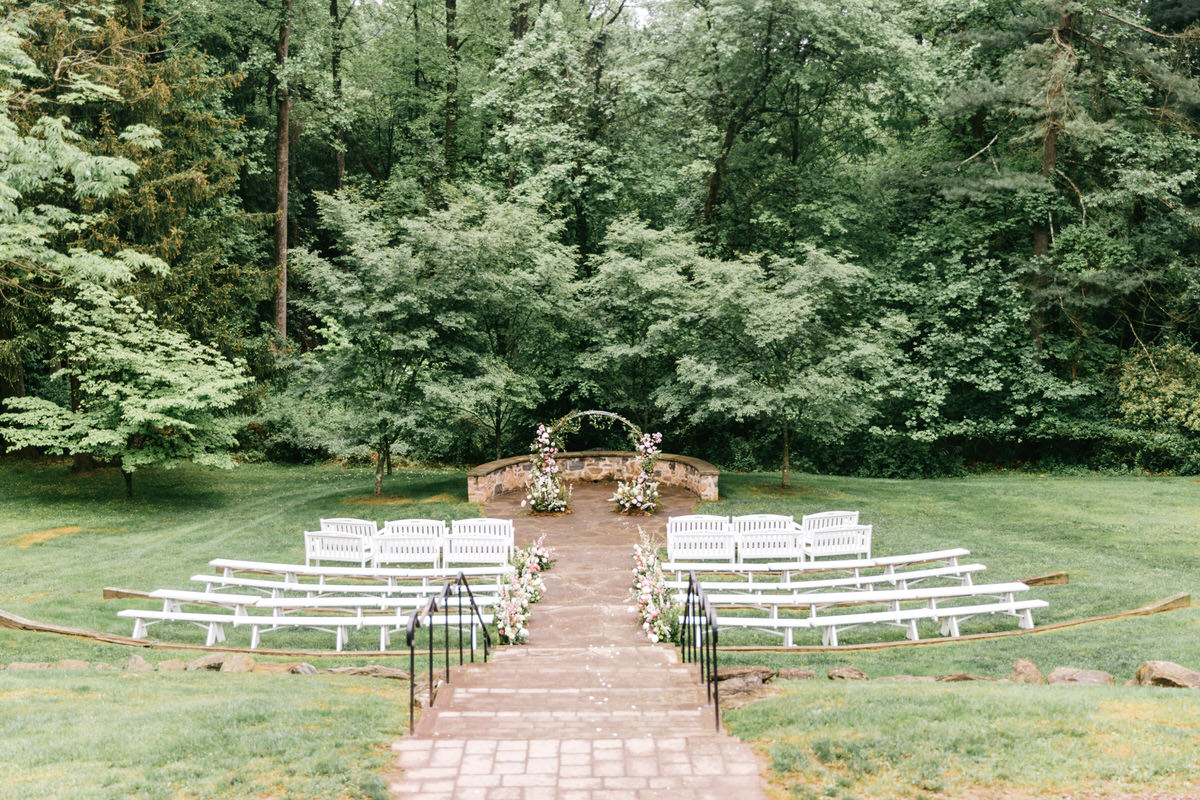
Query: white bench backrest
[[762, 522], [359, 527], [467, 549], [697, 523], [852, 540], [702, 546], [415, 527], [828, 519], [768, 543], [483, 526], [406, 548], [328, 546]]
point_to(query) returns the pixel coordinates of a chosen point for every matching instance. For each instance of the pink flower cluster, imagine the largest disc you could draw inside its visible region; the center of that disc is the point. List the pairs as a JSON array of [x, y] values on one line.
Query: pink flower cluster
[[520, 589], [653, 602], [546, 490]]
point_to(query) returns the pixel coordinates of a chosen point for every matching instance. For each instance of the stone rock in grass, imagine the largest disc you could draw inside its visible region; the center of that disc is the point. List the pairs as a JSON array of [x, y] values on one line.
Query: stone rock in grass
[[304, 669], [371, 671], [238, 662], [274, 667], [959, 677], [739, 692], [1167, 673], [1025, 671], [172, 665], [211, 661], [763, 674], [31, 665], [1080, 677], [795, 674], [104, 667], [138, 664], [907, 679], [72, 663], [847, 674]]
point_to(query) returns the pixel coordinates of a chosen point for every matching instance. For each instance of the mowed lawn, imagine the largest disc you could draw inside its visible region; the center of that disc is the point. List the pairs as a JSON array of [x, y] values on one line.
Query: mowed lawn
[[1124, 541]]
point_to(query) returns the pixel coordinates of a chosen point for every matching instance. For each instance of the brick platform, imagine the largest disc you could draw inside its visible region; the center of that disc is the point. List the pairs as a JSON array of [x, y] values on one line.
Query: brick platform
[[589, 710]]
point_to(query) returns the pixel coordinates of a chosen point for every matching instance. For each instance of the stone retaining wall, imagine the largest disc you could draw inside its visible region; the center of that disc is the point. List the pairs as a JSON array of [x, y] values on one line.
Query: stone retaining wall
[[510, 474]]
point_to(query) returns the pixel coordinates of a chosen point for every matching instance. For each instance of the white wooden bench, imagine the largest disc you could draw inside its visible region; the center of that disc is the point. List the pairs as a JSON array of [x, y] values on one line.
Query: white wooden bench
[[828, 519], [900, 580], [335, 546], [339, 625], [852, 540], [359, 527], [464, 548], [415, 527], [701, 537], [214, 624], [831, 624], [786, 569], [765, 536], [406, 548], [483, 526], [390, 575], [278, 588], [174, 598]]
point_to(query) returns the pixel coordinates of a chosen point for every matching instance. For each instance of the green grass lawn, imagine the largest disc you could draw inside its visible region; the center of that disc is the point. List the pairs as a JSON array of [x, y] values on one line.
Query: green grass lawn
[[94, 734], [1124, 541]]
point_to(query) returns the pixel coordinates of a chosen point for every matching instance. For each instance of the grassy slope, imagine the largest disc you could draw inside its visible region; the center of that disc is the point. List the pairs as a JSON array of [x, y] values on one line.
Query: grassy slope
[[1124, 541], [108, 735]]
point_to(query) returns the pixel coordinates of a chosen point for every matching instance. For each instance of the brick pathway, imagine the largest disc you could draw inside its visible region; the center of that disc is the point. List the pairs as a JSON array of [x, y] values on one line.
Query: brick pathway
[[589, 710]]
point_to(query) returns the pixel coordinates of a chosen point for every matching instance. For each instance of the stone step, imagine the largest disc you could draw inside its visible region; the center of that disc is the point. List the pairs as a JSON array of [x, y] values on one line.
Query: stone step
[[577, 724]]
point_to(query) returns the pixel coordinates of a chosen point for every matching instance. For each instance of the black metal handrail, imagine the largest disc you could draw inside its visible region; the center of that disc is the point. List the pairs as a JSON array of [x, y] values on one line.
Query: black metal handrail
[[436, 603], [698, 641]]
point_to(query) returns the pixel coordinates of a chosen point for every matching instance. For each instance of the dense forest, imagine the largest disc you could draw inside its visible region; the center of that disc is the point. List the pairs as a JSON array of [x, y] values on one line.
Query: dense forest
[[878, 237]]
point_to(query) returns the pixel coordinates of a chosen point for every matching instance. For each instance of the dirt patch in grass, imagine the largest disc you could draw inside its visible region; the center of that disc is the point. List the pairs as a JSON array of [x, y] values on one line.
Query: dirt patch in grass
[[775, 490], [378, 500], [1091, 791], [37, 537]]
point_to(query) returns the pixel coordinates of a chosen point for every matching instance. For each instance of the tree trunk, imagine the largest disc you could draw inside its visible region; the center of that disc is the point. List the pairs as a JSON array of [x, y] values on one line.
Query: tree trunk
[[128, 483], [787, 432], [335, 73], [380, 458], [1041, 229], [282, 124], [450, 151]]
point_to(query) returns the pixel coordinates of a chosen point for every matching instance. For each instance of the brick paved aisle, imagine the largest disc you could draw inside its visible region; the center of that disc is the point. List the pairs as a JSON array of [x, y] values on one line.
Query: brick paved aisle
[[589, 710]]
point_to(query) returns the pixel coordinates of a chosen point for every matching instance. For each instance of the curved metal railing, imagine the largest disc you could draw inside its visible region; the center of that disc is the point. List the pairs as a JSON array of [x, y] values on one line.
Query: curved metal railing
[[698, 641], [443, 602]]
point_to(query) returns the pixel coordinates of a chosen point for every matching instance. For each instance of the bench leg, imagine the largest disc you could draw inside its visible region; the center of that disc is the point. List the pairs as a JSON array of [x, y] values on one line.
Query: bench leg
[[1026, 619], [139, 628], [254, 637], [340, 638], [211, 638], [787, 637], [912, 631], [950, 627]]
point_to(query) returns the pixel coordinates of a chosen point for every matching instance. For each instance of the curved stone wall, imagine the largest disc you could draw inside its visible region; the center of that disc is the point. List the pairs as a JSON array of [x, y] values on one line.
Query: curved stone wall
[[510, 474]]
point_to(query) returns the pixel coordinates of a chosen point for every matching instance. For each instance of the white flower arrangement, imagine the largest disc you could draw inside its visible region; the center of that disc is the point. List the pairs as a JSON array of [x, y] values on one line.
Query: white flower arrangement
[[641, 493], [658, 616]]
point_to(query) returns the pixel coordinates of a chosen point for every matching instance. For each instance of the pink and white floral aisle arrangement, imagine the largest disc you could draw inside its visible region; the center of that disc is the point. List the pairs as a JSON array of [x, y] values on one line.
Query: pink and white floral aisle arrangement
[[658, 617], [520, 589], [640, 495]]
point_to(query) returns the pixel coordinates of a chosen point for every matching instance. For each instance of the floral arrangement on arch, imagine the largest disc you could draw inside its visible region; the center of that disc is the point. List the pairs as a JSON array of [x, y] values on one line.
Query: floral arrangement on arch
[[640, 495], [659, 618], [546, 491], [520, 589]]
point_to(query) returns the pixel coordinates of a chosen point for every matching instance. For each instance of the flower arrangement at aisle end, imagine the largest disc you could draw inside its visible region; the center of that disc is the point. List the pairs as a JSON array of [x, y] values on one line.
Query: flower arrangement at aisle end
[[640, 495], [546, 492], [659, 618], [520, 589]]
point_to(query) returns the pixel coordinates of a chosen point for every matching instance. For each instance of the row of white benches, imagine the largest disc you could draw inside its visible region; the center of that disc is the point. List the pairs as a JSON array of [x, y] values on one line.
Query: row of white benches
[[707, 537], [820, 604], [411, 541], [381, 602]]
